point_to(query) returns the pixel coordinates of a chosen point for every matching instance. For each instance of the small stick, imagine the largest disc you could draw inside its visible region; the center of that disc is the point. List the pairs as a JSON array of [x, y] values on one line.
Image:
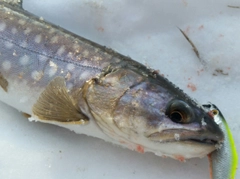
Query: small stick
[[192, 44], [233, 6], [194, 48]]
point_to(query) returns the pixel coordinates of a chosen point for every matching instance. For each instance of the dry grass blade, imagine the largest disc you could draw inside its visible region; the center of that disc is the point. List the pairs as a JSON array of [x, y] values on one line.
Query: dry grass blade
[[194, 48], [192, 44], [237, 7]]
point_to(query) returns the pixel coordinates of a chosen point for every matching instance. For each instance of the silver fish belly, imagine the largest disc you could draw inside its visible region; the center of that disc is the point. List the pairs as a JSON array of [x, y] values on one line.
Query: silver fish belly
[[58, 77]]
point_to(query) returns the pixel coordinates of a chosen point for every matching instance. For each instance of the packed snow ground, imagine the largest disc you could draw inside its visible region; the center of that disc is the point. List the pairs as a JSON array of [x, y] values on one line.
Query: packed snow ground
[[148, 32]]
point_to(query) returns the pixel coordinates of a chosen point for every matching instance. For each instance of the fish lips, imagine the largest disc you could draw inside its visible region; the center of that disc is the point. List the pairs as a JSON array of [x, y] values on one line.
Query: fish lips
[[182, 135], [206, 132]]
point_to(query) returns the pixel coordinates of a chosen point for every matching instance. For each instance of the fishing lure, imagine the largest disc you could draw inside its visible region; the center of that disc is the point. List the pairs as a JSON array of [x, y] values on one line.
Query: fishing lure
[[223, 161]]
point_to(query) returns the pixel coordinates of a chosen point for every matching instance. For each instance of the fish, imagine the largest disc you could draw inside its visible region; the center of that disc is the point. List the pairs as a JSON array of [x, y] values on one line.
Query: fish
[[54, 76], [224, 160]]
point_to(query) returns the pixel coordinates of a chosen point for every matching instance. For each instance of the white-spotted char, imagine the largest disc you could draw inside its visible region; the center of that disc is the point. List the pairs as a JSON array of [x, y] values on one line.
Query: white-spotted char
[[60, 78]]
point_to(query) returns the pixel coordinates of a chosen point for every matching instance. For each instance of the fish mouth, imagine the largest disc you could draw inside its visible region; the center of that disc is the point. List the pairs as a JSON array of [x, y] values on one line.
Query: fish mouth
[[192, 137], [204, 141]]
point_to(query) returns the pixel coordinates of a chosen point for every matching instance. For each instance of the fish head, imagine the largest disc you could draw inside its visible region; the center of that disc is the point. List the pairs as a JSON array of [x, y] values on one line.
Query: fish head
[[149, 111]]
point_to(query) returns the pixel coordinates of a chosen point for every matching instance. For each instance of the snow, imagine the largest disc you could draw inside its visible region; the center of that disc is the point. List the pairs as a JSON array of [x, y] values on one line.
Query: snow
[[148, 32]]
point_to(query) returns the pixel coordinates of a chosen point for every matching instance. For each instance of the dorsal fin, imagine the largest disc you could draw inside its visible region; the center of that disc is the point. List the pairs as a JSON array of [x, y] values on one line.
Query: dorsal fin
[[17, 3]]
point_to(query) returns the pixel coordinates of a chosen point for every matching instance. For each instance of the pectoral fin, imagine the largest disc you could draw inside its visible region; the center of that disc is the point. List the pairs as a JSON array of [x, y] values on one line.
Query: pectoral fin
[[56, 104], [3, 83]]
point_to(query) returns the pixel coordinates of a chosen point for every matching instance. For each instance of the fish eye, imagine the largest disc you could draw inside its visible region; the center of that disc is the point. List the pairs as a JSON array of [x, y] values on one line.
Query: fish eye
[[177, 116], [179, 111], [215, 112]]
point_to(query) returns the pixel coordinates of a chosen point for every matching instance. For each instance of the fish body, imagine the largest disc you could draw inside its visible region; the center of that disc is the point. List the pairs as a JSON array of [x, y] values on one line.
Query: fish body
[[60, 78], [223, 161]]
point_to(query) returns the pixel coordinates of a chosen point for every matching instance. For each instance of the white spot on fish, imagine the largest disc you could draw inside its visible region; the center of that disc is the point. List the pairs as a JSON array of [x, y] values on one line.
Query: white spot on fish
[[203, 122], [14, 30], [14, 53], [36, 75], [54, 39], [61, 50], [27, 31], [24, 44], [2, 26], [97, 58], [51, 31], [52, 64], [48, 26], [177, 137], [8, 45], [22, 22], [70, 66], [53, 69], [41, 18], [85, 53], [76, 46], [70, 55], [6, 65], [38, 38], [24, 60]]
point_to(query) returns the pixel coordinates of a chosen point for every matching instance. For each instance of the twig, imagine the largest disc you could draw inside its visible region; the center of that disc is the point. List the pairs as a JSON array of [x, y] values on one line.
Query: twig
[[194, 48], [192, 44], [233, 6]]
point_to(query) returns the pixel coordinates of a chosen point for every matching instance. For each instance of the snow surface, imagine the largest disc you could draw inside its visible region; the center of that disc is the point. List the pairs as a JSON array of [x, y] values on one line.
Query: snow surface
[[148, 32]]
